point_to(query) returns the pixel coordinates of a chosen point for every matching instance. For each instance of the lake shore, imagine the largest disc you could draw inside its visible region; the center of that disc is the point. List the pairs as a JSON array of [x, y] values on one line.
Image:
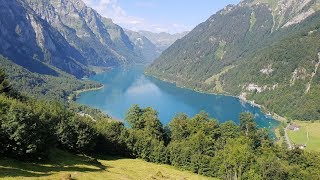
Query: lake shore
[[77, 92], [241, 98]]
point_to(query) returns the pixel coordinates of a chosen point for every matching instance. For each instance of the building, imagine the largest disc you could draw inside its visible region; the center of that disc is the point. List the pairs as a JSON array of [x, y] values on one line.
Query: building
[[294, 127]]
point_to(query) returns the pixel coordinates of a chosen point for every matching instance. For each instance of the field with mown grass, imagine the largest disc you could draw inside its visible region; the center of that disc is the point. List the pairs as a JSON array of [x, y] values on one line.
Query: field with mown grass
[[308, 134], [82, 167]]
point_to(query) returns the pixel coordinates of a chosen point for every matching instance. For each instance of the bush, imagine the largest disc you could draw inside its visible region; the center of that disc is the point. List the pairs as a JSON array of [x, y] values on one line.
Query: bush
[[23, 134], [111, 138], [76, 134]]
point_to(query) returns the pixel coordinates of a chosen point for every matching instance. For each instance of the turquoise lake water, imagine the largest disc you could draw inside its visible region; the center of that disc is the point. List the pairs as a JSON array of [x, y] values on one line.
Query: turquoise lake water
[[125, 87]]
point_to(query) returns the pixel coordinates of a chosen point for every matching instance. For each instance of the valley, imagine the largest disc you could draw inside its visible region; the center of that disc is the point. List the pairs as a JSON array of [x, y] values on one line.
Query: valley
[[99, 89]]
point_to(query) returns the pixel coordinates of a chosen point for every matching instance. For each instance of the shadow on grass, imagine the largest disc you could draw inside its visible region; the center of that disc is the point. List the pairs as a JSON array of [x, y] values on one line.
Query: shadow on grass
[[59, 161]]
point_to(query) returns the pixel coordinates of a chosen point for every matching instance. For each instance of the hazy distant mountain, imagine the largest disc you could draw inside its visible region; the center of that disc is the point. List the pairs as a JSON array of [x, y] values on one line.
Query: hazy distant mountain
[[143, 45], [267, 51], [162, 40], [63, 33]]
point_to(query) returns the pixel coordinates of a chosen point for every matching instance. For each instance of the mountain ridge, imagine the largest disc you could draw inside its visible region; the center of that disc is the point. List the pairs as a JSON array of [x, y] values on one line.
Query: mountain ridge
[[216, 55], [65, 34]]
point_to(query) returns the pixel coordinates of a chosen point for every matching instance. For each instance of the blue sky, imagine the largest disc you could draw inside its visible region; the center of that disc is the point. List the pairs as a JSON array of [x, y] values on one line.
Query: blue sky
[[158, 15]]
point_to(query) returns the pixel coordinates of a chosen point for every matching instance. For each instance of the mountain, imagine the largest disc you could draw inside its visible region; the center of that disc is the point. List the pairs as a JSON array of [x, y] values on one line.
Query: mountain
[[264, 51], [65, 34], [162, 40], [31, 42], [143, 45]]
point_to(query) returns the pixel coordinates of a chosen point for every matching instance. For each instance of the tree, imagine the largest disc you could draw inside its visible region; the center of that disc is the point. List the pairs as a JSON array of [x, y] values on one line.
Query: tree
[[247, 124], [23, 134], [76, 134], [235, 158], [152, 125], [5, 86], [133, 117], [270, 167], [110, 139], [179, 127]]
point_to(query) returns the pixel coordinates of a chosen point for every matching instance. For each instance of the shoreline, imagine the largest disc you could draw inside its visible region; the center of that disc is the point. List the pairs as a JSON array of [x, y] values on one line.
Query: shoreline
[[77, 92], [240, 97]]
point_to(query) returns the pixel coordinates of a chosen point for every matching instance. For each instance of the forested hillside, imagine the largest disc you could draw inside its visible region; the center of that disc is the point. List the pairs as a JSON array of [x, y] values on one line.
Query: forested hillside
[[266, 51], [43, 86]]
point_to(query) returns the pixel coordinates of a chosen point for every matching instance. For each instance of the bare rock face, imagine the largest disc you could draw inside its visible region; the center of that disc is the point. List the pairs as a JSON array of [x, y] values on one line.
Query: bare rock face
[[289, 12], [33, 43], [98, 39], [42, 35]]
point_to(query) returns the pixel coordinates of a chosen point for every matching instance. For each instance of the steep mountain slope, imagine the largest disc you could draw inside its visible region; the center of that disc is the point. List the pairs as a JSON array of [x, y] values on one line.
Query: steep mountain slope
[[261, 50], [98, 39], [143, 45], [162, 40], [32, 42], [65, 34]]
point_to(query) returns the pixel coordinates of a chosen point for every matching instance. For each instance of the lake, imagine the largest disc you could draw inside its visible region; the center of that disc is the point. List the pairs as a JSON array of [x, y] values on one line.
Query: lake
[[126, 87]]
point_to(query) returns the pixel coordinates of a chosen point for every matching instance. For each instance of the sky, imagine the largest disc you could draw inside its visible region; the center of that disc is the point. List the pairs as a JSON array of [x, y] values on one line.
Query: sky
[[171, 16]]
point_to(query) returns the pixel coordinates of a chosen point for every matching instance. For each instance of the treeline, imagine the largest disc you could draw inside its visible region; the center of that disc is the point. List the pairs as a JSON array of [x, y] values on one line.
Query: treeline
[[226, 150], [30, 128], [42, 86]]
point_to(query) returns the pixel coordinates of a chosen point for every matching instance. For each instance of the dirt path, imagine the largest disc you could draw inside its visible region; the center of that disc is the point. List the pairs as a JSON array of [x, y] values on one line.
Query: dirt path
[[287, 139], [307, 137]]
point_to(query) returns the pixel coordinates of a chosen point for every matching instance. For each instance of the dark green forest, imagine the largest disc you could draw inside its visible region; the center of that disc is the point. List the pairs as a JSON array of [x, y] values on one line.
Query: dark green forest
[[43, 86], [30, 128]]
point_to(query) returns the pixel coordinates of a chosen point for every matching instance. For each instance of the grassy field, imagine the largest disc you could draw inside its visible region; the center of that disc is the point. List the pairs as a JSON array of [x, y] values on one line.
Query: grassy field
[[307, 129], [81, 167]]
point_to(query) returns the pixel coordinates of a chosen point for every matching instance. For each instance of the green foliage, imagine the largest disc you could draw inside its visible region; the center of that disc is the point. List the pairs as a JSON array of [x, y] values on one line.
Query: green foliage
[[235, 158], [146, 120], [30, 128], [252, 20], [43, 86], [24, 133], [133, 117], [76, 134], [226, 151], [4, 84], [247, 124], [179, 127], [280, 60], [220, 50], [111, 138]]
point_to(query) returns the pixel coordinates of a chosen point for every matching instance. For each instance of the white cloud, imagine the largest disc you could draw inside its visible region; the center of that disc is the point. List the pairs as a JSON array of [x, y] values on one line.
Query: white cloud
[[145, 4], [111, 9]]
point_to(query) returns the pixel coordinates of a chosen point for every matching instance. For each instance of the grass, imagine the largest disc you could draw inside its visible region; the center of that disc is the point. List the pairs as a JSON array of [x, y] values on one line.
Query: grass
[[216, 79], [82, 167], [301, 136], [219, 54], [253, 20]]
